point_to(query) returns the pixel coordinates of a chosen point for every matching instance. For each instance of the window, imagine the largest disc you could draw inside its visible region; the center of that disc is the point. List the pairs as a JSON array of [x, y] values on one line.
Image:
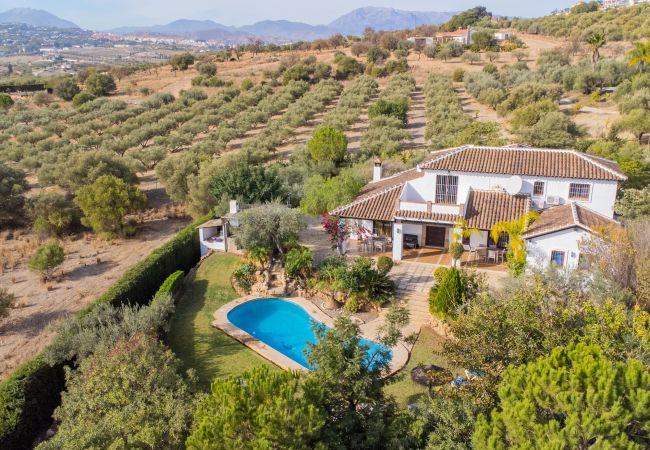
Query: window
[[503, 240], [383, 228], [538, 189], [557, 258], [446, 189], [579, 191]]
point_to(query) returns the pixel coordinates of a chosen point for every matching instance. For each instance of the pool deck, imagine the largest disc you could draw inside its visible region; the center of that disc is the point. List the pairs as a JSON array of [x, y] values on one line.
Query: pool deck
[[400, 351]]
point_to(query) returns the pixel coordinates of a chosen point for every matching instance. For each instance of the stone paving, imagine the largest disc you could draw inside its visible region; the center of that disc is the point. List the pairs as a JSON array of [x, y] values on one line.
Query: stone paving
[[413, 277]]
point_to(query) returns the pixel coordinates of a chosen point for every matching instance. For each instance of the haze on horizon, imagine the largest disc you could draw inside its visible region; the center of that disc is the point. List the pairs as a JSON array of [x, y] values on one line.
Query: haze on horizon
[[107, 14]]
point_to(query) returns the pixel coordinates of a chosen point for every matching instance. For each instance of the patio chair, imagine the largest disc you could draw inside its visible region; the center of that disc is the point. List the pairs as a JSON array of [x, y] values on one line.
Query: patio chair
[[468, 249], [493, 255]]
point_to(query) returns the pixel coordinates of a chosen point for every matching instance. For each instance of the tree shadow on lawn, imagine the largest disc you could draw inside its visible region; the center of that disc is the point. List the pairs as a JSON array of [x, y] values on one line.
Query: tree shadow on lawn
[[199, 345]]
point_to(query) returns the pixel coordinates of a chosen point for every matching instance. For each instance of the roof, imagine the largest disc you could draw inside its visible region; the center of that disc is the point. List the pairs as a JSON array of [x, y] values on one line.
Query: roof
[[569, 215], [485, 208], [528, 161], [426, 216], [211, 223], [378, 200], [457, 33]]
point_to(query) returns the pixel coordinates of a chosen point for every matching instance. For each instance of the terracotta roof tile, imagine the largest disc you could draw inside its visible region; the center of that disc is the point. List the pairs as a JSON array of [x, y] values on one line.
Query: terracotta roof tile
[[426, 216], [380, 205], [569, 215], [520, 160], [485, 208], [378, 200]]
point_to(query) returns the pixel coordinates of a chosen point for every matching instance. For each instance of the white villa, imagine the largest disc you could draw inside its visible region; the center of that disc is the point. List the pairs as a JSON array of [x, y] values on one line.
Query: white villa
[[574, 193]]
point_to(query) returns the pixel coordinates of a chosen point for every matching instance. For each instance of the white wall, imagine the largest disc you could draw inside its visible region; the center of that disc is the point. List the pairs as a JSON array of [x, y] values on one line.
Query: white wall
[[603, 193], [540, 248], [413, 228]]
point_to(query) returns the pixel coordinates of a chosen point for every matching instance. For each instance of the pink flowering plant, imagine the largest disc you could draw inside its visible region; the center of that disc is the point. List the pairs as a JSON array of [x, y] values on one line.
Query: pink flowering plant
[[339, 230]]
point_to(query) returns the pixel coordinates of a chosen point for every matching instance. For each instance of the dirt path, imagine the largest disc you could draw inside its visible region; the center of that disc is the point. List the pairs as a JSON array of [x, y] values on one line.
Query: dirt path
[[417, 121], [91, 266]]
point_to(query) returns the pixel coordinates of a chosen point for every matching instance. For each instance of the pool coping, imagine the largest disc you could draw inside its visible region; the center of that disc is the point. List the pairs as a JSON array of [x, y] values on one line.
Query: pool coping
[[400, 351]]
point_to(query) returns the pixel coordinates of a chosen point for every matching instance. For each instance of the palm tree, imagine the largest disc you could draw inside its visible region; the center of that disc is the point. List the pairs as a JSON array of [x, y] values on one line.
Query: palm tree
[[595, 41], [516, 246], [639, 55]]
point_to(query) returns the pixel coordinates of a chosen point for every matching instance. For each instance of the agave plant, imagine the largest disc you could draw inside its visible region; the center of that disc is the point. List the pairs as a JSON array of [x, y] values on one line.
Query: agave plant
[[516, 247]]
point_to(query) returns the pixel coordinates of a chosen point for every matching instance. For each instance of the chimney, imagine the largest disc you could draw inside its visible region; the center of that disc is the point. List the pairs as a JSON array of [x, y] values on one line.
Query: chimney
[[234, 206], [377, 170]]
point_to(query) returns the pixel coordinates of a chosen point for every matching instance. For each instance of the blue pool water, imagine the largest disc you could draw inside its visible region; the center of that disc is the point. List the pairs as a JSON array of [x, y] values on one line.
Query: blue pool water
[[282, 325]]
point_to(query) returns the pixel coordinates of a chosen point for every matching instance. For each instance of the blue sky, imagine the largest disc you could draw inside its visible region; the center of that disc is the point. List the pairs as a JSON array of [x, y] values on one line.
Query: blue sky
[[104, 14]]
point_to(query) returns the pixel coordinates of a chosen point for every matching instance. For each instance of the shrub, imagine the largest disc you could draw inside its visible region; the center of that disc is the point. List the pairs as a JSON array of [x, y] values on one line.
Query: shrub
[[299, 262], [448, 295], [397, 66], [246, 84], [458, 75], [244, 276], [328, 144], [396, 107], [7, 300], [47, 258], [82, 98], [6, 101], [490, 68], [171, 285], [100, 84], [377, 55], [439, 274], [28, 398], [128, 395], [52, 213], [80, 337], [384, 264], [181, 61], [352, 305], [207, 69]]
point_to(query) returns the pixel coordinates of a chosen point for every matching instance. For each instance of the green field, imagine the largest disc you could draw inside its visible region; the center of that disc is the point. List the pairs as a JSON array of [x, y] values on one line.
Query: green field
[[192, 337]]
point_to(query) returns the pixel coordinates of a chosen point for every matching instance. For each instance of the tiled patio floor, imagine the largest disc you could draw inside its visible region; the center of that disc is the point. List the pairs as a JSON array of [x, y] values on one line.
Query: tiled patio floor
[[412, 277]]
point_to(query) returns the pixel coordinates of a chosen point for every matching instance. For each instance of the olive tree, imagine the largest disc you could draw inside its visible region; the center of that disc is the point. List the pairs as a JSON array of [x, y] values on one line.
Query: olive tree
[[106, 202], [13, 185], [271, 225]]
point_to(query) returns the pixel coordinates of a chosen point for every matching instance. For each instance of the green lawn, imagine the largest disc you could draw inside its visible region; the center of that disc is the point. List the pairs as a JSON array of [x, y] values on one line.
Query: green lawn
[[404, 389], [214, 354], [192, 337]]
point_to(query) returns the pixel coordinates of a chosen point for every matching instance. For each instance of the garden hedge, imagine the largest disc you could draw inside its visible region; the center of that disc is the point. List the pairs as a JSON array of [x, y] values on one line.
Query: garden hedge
[[171, 285], [31, 394]]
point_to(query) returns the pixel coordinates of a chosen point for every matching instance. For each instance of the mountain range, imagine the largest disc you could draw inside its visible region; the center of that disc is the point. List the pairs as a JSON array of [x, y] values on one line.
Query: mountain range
[[35, 17], [353, 23]]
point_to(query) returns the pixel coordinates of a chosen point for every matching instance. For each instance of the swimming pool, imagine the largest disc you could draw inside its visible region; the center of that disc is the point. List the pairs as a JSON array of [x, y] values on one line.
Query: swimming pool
[[282, 325]]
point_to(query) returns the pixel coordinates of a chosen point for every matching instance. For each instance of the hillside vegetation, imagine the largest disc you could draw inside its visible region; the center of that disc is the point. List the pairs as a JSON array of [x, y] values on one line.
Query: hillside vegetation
[[624, 24]]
